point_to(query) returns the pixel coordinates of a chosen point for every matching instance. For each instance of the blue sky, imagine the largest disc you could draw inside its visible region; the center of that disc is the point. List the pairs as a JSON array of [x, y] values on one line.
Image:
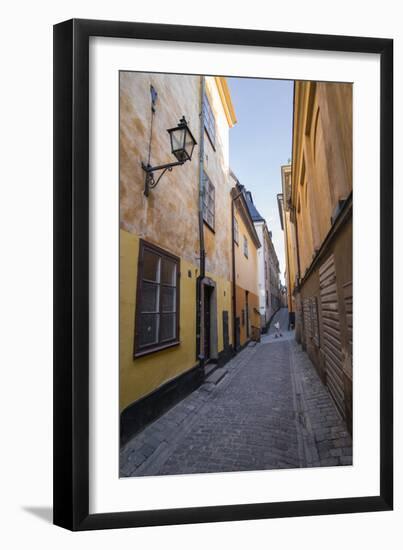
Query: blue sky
[[260, 143]]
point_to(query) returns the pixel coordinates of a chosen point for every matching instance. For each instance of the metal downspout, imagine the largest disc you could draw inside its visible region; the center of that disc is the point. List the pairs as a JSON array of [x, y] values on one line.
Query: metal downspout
[[234, 334], [234, 331], [202, 252]]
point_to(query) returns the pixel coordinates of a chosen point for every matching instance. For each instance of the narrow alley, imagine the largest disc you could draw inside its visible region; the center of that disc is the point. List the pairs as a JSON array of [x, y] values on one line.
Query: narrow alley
[[266, 409]]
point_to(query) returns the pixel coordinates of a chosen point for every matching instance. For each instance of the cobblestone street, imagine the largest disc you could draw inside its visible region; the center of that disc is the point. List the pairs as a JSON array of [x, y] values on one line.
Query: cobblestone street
[[265, 409]]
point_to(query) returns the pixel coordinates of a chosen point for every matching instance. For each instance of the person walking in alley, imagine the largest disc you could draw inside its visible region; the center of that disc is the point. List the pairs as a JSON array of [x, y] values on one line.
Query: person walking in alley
[[278, 332]]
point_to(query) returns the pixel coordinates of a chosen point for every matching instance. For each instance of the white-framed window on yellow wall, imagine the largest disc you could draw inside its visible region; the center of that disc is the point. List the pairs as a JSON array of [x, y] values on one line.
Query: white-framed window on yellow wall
[[245, 247], [236, 231], [209, 202], [209, 121]]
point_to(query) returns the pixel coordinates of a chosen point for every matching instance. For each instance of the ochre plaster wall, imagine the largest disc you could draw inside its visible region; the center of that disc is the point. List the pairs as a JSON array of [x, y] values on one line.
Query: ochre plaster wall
[[246, 268], [140, 376], [322, 164], [168, 218]]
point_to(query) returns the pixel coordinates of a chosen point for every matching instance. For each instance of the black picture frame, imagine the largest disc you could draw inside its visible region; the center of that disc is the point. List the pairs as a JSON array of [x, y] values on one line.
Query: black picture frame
[[71, 274]]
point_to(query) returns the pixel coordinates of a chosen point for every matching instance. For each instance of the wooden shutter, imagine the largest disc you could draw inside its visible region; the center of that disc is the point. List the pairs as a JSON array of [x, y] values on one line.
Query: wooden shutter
[[331, 332]]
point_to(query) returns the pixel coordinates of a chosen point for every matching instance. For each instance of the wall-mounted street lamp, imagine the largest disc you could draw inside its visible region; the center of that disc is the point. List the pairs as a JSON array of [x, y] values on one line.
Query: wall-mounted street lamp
[[182, 145]]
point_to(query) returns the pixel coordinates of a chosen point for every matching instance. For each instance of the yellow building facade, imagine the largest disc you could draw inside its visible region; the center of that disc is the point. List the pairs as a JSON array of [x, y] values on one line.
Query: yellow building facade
[[175, 250], [246, 314], [320, 210], [288, 227]]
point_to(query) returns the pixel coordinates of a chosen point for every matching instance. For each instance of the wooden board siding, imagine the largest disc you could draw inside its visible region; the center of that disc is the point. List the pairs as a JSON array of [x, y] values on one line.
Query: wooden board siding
[[348, 360], [306, 308], [331, 332], [311, 322], [348, 306], [315, 321]]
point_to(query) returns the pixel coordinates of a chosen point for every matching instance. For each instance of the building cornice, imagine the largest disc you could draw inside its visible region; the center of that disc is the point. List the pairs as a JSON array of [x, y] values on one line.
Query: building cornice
[[286, 187], [242, 208], [280, 205], [225, 96]]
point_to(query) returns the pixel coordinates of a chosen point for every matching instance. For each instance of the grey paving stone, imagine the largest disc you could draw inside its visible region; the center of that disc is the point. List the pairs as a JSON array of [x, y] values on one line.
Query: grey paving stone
[[270, 411], [147, 450]]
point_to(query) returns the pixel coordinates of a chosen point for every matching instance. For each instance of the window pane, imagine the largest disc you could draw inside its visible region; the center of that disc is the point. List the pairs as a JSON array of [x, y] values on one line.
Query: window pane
[[236, 231], [209, 201], [168, 272], [149, 297], [168, 326], [148, 329], [210, 218], [189, 143], [178, 138], [209, 121], [168, 298], [151, 264]]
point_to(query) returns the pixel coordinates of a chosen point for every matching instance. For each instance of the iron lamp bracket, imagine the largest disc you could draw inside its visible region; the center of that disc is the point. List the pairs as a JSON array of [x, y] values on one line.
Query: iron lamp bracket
[[150, 181]]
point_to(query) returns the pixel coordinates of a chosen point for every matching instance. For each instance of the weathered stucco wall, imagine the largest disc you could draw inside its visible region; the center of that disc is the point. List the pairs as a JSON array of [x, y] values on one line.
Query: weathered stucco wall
[[321, 205], [246, 268], [168, 217], [263, 280], [253, 308], [322, 164], [141, 376], [174, 202], [246, 279], [216, 165], [268, 275], [291, 259], [289, 238]]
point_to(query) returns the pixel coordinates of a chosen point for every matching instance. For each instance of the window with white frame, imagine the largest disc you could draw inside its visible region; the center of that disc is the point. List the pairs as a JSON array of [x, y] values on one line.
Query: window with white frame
[[245, 247], [209, 202], [236, 231], [209, 120]]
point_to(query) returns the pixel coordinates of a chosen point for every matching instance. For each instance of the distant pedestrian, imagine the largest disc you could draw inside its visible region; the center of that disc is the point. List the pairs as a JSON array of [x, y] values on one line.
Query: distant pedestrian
[[278, 332]]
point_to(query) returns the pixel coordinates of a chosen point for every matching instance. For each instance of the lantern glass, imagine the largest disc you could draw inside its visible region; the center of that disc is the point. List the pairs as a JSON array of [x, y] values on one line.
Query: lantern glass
[[177, 141], [182, 141], [189, 144]]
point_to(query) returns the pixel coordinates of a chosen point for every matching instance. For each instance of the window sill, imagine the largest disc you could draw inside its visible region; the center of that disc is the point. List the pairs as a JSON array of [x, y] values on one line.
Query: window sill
[[212, 142], [209, 226], [160, 347]]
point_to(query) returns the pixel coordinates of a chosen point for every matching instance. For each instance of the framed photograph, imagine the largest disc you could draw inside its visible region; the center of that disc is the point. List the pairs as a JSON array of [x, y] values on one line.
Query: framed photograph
[[223, 301]]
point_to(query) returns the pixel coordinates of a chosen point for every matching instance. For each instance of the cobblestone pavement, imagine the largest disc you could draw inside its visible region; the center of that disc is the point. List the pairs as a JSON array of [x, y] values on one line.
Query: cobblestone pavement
[[269, 411]]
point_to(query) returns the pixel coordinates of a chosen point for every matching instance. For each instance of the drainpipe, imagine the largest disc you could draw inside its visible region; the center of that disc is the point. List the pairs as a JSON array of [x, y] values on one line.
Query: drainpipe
[[297, 243], [299, 276], [289, 295], [202, 252], [294, 211], [291, 206], [234, 335]]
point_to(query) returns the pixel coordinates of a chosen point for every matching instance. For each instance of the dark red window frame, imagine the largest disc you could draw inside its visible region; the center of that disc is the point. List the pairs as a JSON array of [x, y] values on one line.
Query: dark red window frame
[[139, 349]]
